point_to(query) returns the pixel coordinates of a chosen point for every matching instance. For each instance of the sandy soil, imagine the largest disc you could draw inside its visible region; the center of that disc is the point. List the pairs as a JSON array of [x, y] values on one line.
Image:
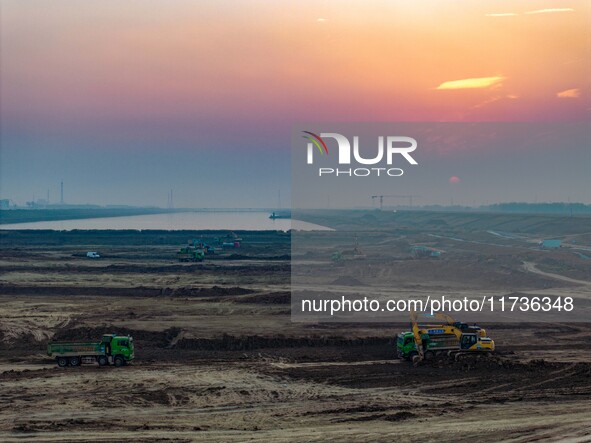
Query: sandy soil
[[218, 358]]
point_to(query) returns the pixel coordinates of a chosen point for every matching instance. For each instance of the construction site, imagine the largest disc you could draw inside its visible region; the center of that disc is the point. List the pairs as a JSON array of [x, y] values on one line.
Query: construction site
[[213, 353]]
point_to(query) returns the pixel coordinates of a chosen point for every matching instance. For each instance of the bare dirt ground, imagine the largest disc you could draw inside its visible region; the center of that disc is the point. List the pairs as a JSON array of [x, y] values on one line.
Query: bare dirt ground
[[218, 358]]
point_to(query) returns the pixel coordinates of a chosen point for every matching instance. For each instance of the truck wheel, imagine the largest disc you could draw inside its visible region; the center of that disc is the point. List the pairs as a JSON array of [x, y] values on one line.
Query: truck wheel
[[412, 355], [74, 361], [429, 355], [119, 361], [102, 360], [62, 362]]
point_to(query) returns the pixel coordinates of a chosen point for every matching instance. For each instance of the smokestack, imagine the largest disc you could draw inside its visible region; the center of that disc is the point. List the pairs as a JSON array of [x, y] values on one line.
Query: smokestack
[[62, 193], [170, 204]]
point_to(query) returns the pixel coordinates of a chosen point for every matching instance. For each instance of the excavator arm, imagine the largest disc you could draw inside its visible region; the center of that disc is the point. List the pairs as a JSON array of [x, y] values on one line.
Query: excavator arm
[[417, 335]]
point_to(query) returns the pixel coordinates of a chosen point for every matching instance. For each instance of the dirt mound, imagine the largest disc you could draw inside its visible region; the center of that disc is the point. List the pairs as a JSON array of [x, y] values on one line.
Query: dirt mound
[[272, 298], [215, 291], [232, 343], [494, 363], [397, 416], [143, 291], [25, 342]]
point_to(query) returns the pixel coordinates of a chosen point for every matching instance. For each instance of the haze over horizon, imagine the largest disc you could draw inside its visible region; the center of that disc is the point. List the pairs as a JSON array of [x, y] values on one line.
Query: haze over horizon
[[124, 102]]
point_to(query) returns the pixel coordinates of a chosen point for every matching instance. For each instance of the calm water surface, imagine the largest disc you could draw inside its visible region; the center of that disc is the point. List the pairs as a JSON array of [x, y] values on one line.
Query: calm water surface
[[252, 221]]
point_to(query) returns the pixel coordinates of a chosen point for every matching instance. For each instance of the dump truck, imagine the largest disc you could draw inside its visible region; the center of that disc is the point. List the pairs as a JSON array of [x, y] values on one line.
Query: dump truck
[[113, 349], [434, 342], [442, 334], [190, 253], [419, 251]]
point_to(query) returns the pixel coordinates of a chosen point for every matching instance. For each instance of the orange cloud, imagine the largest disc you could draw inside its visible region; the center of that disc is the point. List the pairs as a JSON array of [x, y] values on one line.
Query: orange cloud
[[569, 93], [550, 10], [471, 83], [537, 11]]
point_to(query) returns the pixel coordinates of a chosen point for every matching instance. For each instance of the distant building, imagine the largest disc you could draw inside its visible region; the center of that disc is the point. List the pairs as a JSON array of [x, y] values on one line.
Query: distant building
[[550, 244], [4, 203]]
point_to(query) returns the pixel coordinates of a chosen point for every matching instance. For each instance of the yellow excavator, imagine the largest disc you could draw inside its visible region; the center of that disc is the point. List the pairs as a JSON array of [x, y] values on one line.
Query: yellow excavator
[[442, 334]]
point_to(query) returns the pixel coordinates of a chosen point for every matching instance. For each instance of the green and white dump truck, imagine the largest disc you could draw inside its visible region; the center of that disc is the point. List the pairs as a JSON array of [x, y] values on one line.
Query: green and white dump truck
[[190, 253], [112, 349]]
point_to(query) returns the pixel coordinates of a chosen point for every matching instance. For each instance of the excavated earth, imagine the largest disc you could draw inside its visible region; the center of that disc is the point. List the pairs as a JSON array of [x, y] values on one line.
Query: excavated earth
[[219, 359]]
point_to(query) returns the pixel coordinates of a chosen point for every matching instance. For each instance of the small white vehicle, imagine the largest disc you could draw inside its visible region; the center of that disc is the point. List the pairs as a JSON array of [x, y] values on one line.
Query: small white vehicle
[[93, 254]]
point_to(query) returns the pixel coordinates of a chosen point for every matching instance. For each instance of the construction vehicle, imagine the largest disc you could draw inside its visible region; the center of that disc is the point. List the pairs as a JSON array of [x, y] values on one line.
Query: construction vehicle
[[190, 253], [201, 244], [280, 214], [442, 335], [419, 251], [349, 254], [112, 349]]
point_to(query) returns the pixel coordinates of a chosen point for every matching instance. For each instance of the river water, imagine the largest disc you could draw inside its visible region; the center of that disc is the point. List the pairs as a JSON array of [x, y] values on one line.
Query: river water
[[251, 221]]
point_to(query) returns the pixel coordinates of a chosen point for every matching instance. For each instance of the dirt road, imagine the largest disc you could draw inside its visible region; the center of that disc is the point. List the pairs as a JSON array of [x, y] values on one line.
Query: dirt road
[[531, 267]]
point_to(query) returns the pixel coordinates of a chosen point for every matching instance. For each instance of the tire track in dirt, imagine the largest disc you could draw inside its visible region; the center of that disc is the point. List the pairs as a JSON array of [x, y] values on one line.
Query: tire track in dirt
[[531, 267]]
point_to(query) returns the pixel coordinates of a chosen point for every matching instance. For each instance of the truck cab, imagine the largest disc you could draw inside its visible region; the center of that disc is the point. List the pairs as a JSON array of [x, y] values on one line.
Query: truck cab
[[117, 347], [405, 345]]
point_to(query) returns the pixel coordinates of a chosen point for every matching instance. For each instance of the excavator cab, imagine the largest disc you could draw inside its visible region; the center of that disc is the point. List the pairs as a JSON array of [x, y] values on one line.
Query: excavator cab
[[468, 340], [475, 342]]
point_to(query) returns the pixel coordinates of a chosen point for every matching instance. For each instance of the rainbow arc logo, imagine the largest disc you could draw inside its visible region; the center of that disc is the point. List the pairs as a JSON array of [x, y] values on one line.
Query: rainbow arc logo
[[317, 141]]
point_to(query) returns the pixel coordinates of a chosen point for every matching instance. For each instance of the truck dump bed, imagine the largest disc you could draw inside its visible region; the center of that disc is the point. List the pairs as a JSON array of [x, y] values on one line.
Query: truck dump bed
[[57, 349]]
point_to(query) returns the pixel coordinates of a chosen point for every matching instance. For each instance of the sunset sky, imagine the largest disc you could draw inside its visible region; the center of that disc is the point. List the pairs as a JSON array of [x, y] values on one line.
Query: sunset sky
[[125, 100]]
